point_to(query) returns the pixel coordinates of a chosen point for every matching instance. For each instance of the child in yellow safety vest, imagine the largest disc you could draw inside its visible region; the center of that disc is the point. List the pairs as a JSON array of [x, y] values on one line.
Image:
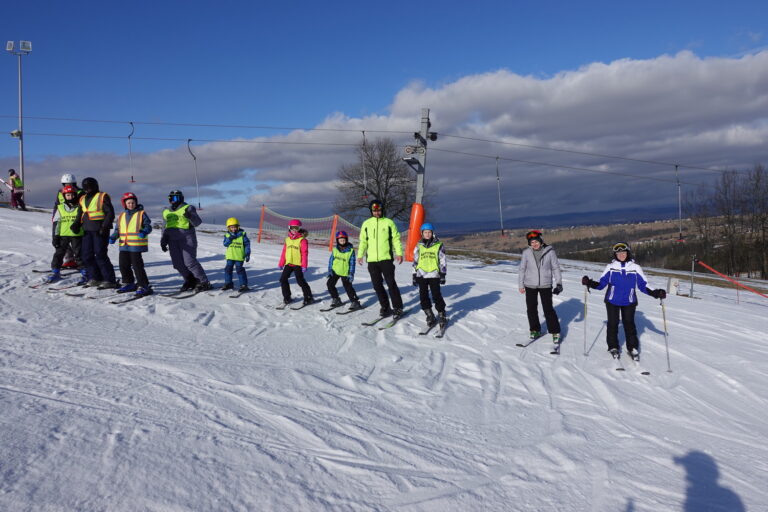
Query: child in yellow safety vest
[[67, 232], [341, 265], [294, 260], [429, 269], [238, 250], [131, 229]]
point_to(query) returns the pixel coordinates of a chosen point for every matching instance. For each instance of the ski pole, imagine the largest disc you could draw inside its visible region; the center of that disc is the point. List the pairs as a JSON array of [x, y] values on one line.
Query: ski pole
[[585, 320], [666, 336]]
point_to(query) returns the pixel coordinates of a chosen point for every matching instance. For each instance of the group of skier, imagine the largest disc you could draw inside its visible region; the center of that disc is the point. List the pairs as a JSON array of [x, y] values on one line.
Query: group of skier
[[83, 228]]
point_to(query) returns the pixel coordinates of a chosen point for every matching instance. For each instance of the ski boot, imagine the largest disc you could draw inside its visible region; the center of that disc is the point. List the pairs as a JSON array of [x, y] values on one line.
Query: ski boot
[[336, 302], [55, 276], [556, 338], [141, 292], [129, 287], [614, 353], [92, 283], [83, 278], [442, 319], [355, 305], [634, 354], [385, 312], [203, 286], [107, 285], [69, 264], [308, 300], [227, 286], [189, 284], [397, 313], [534, 334], [243, 288], [431, 320]]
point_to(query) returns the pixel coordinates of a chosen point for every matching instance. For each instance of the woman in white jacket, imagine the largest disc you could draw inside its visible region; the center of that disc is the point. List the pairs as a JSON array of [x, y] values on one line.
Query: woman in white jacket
[[539, 270]]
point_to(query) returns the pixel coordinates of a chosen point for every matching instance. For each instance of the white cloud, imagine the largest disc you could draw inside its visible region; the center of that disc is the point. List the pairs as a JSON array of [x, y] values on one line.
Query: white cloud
[[673, 108]]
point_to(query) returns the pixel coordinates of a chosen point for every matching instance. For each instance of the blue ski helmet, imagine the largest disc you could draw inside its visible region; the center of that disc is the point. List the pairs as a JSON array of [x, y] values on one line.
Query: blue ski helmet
[[429, 226], [341, 234]]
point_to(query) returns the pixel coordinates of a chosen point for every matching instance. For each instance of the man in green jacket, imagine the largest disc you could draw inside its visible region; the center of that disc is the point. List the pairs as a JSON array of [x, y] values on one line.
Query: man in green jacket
[[380, 245]]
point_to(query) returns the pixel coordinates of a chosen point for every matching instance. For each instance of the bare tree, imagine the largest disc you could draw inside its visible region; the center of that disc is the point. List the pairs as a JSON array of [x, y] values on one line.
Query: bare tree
[[378, 173], [756, 212]]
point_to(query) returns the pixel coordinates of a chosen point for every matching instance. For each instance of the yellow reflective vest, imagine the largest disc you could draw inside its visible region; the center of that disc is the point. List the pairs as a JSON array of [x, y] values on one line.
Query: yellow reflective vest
[[129, 230], [176, 219], [293, 251], [94, 209], [66, 219]]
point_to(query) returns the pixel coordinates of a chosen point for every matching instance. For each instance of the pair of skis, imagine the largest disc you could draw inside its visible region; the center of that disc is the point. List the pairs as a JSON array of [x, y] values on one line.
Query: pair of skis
[[635, 359], [284, 305], [555, 349], [440, 329]]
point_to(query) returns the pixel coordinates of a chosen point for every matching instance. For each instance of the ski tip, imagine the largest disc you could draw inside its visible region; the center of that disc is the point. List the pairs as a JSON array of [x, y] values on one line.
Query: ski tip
[[519, 345], [645, 373], [620, 369]]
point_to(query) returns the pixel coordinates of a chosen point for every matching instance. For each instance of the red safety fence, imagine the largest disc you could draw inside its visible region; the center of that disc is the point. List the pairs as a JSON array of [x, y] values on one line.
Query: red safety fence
[[730, 279]]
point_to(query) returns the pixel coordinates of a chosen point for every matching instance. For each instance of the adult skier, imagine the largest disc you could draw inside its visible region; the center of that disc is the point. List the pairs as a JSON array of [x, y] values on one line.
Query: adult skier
[[539, 271], [180, 238], [98, 216], [380, 246], [622, 276]]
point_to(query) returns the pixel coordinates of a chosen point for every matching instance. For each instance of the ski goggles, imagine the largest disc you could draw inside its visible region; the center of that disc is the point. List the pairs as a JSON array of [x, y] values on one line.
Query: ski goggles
[[621, 246], [376, 207], [533, 234]]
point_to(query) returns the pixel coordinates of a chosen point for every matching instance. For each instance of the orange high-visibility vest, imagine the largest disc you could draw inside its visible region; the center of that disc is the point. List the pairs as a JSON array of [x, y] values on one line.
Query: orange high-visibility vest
[[94, 210], [129, 231]]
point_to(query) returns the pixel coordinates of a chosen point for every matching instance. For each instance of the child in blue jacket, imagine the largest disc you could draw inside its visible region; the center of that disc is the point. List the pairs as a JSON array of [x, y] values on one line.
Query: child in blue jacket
[[238, 250], [341, 265], [622, 276]]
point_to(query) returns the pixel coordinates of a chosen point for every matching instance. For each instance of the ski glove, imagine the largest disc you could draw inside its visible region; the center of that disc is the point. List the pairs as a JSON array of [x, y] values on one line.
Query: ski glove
[[112, 240], [557, 289], [142, 234], [658, 294], [164, 246], [247, 258], [303, 270], [56, 241], [586, 281], [415, 280], [442, 277]]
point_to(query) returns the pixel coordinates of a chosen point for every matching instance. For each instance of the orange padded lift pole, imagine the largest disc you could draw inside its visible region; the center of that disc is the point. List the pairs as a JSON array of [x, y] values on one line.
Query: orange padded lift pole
[[414, 233]]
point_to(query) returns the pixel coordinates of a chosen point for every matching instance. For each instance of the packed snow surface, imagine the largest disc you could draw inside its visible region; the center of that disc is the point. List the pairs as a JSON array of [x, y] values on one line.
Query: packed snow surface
[[214, 403]]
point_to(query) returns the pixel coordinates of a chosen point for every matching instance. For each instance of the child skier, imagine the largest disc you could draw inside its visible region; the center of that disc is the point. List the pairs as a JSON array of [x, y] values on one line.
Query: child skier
[[539, 271], [132, 228], [238, 250], [341, 265], [429, 266], [622, 276], [67, 179], [294, 259], [67, 233]]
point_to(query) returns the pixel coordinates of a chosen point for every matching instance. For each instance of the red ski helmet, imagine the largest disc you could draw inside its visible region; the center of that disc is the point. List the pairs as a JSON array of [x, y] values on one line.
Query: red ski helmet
[[68, 189], [128, 195]]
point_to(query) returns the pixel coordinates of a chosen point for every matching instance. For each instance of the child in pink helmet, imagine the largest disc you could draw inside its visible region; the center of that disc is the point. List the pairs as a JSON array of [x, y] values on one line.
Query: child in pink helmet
[[294, 260]]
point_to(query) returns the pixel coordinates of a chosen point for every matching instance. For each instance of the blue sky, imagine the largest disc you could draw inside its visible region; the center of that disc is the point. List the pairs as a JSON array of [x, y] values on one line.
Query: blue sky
[[296, 64]]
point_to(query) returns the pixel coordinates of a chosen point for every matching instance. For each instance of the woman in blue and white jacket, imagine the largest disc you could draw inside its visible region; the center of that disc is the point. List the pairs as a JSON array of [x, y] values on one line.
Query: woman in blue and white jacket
[[622, 276]]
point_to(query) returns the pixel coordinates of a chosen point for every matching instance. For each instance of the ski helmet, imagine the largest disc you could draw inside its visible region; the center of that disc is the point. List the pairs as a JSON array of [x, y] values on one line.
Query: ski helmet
[[128, 195], [376, 205], [294, 223], [341, 234], [621, 246], [175, 197], [232, 221], [428, 226], [68, 179], [68, 189], [90, 185], [532, 235]]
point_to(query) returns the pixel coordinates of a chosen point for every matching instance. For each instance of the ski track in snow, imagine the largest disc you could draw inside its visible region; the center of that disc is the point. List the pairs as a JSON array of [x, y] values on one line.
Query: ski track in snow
[[211, 403]]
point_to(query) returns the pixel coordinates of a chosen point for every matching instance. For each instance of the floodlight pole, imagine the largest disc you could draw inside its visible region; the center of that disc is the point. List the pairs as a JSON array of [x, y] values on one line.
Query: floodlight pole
[[25, 47], [679, 205]]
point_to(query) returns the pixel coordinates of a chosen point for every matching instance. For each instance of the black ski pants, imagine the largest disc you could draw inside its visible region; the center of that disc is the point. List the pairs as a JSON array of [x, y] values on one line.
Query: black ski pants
[[345, 282], [68, 244], [532, 307], [380, 272], [95, 258], [427, 286], [133, 263], [287, 271], [627, 320]]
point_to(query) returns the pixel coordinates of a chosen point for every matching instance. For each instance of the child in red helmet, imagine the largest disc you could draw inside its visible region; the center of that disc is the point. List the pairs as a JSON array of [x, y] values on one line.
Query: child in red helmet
[[294, 260], [341, 265], [131, 229]]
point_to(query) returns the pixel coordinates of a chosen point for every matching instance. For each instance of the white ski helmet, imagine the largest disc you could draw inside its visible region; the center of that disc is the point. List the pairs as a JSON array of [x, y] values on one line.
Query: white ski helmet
[[68, 179]]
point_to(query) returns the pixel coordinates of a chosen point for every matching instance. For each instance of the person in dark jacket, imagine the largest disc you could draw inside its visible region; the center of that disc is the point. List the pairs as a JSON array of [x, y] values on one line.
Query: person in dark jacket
[[180, 238], [539, 276], [132, 228], [622, 276], [97, 219]]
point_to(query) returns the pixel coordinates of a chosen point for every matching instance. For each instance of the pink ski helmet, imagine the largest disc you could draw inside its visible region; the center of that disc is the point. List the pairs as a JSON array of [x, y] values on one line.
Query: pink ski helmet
[[294, 223]]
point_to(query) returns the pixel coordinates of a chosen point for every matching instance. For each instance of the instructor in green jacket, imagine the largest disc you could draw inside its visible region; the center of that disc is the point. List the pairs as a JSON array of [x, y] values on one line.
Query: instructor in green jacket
[[380, 245]]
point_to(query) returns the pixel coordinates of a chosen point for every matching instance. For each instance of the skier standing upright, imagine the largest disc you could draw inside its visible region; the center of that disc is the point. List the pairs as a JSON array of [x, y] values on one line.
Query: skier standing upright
[[238, 251], [98, 216], [429, 270], [132, 228], [180, 238], [622, 276], [67, 179], [17, 190], [539, 271], [294, 260], [380, 246], [67, 232], [341, 265]]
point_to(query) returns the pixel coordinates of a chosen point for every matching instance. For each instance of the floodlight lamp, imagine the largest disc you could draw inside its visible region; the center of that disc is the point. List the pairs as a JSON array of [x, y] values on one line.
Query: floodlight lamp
[[9, 46], [16, 134], [433, 136], [25, 46]]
